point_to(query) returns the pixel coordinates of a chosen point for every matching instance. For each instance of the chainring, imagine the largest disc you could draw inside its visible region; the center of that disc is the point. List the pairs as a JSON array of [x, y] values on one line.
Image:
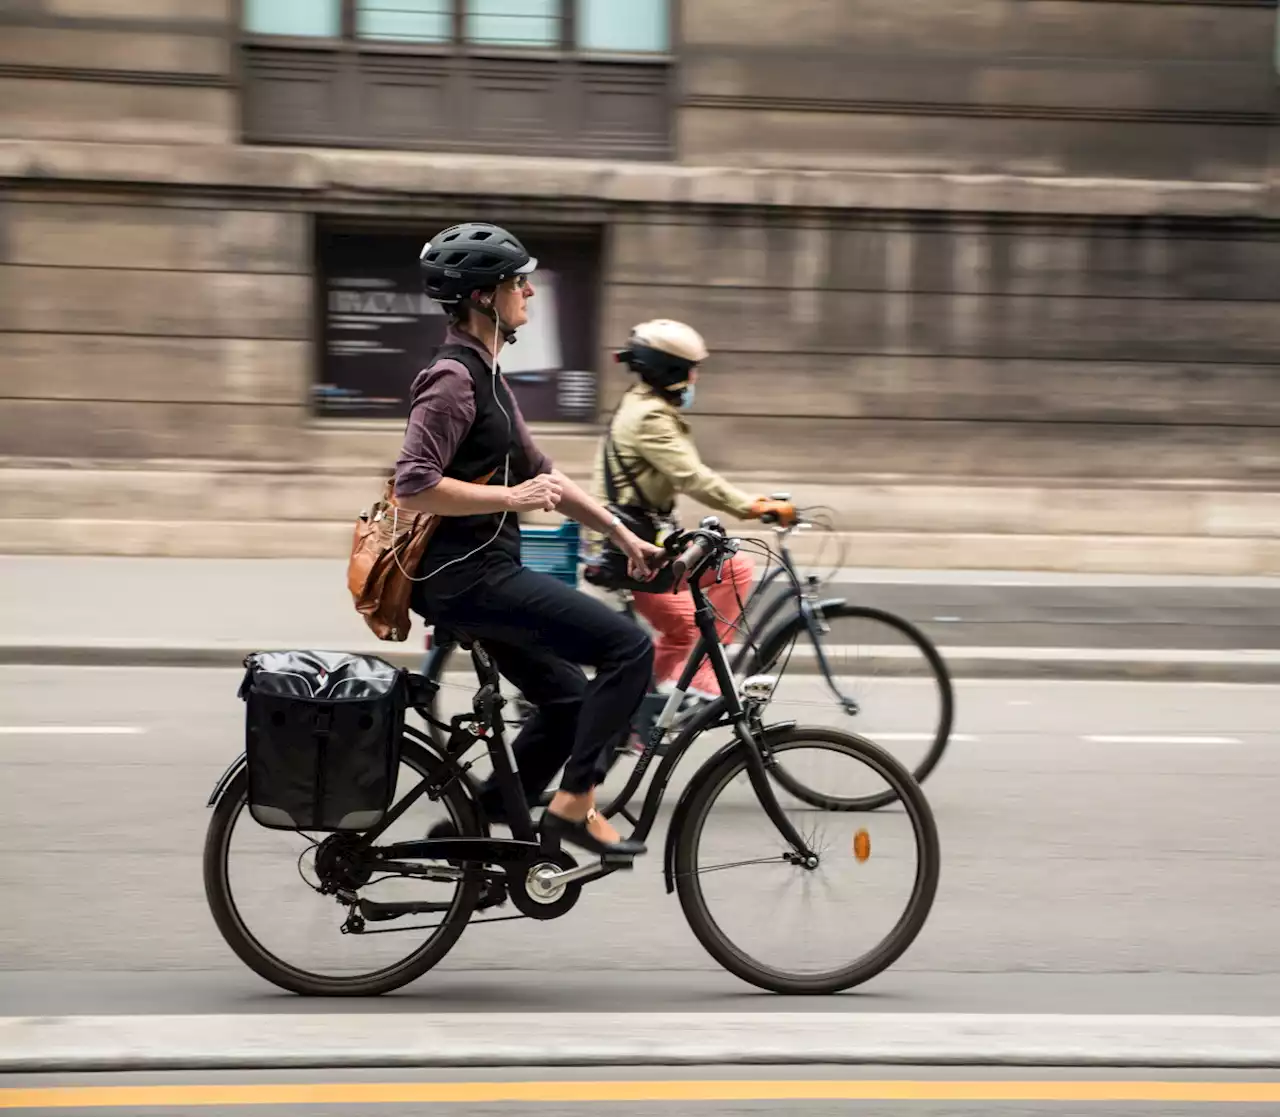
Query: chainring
[[533, 899]]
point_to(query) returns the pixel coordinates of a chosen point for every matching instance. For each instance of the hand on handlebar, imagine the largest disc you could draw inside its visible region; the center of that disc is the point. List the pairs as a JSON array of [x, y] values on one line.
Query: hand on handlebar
[[644, 560], [774, 511], [689, 550]]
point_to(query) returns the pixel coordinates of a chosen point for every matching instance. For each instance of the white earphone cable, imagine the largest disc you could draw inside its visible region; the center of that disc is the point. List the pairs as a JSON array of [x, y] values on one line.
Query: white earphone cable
[[506, 473]]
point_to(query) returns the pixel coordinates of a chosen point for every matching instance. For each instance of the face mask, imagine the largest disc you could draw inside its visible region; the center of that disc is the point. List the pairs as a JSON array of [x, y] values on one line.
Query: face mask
[[686, 396]]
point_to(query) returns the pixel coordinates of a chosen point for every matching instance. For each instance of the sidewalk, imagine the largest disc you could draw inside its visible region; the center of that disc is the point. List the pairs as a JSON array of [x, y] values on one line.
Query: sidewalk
[[395, 1039], [212, 612]]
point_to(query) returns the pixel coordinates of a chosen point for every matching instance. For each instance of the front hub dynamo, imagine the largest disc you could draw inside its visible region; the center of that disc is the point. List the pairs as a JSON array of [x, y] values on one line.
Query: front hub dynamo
[[535, 894]]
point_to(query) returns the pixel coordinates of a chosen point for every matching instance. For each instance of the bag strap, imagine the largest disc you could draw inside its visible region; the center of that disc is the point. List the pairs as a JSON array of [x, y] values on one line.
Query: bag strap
[[610, 486], [630, 477], [611, 489]]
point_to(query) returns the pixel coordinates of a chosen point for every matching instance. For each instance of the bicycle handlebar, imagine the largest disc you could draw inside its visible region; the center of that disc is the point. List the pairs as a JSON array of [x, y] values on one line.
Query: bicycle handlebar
[[691, 557], [772, 519]]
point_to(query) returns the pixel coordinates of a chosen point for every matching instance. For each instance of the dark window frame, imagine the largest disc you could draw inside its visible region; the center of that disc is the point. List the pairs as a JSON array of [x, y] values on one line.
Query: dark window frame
[[566, 47], [312, 90]]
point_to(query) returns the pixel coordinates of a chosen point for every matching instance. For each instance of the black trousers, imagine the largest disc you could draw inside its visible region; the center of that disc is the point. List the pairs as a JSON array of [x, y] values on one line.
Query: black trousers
[[538, 631]]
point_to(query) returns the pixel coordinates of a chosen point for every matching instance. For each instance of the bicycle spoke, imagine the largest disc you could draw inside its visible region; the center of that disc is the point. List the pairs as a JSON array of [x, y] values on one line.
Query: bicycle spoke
[[741, 864], [808, 943], [299, 933]]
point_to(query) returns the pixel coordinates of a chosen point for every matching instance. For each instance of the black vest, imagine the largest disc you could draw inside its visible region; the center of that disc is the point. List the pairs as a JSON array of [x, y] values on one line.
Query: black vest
[[483, 450]]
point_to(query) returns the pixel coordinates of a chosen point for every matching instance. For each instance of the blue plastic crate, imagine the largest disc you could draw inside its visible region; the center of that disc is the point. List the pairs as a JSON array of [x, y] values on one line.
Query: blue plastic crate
[[552, 550]]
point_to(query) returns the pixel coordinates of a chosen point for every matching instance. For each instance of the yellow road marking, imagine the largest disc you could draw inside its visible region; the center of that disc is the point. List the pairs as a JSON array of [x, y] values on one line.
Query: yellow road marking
[[384, 1093]]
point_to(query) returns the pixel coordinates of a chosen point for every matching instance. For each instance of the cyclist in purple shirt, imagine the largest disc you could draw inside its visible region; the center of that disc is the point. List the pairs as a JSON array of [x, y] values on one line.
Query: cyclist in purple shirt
[[468, 458]]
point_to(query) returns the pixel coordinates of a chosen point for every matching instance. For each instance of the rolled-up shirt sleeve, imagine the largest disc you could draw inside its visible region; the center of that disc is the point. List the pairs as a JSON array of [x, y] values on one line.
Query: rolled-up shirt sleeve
[[441, 410]]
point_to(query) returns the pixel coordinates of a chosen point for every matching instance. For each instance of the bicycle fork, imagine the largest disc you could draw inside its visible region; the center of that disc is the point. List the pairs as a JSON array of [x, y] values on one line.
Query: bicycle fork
[[741, 718], [815, 623]]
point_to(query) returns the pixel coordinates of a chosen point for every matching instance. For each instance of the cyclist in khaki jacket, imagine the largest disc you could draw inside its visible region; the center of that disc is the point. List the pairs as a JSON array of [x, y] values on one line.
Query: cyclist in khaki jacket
[[648, 459]]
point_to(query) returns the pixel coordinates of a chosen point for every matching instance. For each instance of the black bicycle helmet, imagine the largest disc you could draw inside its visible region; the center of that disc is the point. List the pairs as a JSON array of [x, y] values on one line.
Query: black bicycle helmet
[[474, 256]]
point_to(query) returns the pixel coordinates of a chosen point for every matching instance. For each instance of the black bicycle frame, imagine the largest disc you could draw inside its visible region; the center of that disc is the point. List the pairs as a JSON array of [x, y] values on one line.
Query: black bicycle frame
[[442, 646], [488, 719], [727, 710]]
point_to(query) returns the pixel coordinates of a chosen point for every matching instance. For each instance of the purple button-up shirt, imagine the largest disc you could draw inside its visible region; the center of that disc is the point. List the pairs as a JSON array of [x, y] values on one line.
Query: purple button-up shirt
[[441, 410]]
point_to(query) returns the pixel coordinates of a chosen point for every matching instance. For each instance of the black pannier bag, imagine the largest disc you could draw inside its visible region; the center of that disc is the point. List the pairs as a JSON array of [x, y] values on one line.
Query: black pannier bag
[[322, 738]]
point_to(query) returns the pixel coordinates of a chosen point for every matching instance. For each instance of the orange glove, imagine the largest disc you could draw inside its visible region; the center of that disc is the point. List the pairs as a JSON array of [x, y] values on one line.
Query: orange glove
[[784, 511]]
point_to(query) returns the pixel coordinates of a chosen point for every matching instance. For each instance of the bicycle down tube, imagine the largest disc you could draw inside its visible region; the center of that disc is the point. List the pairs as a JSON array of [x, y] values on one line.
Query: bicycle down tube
[[728, 708]]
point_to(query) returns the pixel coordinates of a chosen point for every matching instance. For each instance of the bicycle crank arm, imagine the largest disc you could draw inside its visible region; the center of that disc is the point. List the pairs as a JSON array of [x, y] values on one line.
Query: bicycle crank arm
[[585, 873]]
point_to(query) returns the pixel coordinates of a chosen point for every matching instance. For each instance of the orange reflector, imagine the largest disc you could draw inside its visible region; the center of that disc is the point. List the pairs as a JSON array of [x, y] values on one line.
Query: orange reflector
[[861, 845]]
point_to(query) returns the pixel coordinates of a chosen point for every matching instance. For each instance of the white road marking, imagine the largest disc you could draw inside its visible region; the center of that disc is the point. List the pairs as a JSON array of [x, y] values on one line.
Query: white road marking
[[963, 737], [1168, 739], [69, 730]]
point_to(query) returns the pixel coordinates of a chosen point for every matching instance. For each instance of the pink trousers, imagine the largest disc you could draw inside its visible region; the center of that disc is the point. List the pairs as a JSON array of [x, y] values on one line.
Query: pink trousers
[[671, 615]]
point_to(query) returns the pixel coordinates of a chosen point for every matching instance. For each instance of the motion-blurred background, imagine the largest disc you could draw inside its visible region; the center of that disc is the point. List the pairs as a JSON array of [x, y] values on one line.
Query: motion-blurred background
[[997, 280]]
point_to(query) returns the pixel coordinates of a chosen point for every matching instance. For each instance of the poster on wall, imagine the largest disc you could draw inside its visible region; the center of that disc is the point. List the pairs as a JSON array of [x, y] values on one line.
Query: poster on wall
[[380, 329]]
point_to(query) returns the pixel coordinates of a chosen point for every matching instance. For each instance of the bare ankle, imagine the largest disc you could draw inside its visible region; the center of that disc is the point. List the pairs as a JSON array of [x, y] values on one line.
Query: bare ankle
[[571, 806]]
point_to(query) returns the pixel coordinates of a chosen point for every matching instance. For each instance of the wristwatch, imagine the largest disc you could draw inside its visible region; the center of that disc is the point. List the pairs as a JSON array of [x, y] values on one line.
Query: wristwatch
[[615, 522]]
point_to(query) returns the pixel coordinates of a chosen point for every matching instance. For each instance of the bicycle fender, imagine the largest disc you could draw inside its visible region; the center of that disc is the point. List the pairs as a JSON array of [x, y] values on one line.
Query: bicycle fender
[[682, 805], [682, 810], [227, 777]]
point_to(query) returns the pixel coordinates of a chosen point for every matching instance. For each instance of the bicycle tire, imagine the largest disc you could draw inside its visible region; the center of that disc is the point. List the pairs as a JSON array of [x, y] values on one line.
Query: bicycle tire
[[707, 784], [775, 643], [254, 955]]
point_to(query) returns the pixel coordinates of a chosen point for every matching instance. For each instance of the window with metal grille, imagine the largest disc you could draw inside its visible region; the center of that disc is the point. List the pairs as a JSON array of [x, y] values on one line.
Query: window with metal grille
[[625, 26], [574, 77]]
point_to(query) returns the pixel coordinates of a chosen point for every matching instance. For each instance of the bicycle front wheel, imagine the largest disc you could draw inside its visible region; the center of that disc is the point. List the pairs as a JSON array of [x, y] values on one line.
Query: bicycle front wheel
[[875, 881], [885, 664]]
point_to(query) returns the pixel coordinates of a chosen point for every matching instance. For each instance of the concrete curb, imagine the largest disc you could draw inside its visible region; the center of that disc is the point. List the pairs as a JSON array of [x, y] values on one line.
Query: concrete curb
[[1131, 664], [271, 1041]]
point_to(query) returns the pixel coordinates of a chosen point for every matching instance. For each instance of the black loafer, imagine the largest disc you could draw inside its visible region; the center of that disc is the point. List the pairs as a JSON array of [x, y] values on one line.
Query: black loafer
[[576, 833]]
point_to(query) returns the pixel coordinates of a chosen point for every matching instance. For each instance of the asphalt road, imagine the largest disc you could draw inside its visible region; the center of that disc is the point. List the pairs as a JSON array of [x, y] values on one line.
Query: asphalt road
[[1080, 615], [69, 601], [637, 1092], [1106, 848]]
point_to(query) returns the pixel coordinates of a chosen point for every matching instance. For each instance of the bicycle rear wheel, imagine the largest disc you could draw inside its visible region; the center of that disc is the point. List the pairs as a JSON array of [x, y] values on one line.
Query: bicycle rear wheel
[[724, 833], [272, 919], [884, 663]]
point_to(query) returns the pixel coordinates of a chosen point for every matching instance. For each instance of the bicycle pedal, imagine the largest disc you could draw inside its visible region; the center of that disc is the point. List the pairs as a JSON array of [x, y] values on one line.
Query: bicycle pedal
[[618, 861]]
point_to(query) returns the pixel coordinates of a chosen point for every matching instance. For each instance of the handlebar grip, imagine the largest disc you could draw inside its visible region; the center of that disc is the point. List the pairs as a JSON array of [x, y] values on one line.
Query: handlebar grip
[[689, 558]]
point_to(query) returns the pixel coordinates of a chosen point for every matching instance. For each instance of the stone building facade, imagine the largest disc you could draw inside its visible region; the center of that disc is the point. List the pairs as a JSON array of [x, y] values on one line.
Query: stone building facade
[[998, 280]]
